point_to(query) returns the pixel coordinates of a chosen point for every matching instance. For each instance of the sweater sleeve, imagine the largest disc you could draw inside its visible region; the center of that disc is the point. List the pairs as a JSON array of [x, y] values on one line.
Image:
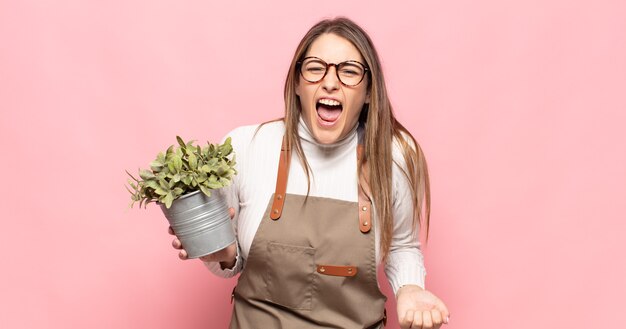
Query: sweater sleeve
[[217, 269], [405, 262]]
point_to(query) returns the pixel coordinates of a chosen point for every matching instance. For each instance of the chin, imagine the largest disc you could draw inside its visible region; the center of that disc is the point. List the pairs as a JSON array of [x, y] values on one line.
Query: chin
[[326, 137]]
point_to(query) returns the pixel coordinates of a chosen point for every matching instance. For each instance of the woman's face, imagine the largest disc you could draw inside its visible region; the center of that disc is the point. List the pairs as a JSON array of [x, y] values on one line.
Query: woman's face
[[329, 108]]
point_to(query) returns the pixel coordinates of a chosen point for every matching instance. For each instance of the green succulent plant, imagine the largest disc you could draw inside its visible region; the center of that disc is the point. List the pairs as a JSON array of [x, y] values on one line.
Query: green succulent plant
[[183, 169]]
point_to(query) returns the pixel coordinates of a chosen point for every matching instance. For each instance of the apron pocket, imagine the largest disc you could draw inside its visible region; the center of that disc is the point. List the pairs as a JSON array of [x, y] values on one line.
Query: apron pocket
[[290, 275]]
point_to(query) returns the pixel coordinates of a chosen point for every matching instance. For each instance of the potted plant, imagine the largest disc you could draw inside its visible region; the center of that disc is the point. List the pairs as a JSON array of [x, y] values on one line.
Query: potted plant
[[181, 181]]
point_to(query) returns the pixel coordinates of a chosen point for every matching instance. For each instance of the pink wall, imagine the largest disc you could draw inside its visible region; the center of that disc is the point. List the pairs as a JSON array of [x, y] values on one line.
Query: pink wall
[[519, 105]]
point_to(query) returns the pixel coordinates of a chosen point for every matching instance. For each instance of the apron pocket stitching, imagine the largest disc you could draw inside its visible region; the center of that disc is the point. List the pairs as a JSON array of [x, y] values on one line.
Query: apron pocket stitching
[[290, 275]]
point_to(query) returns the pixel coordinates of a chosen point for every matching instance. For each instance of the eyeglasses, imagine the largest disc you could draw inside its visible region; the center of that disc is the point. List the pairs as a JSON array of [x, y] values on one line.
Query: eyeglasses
[[349, 73]]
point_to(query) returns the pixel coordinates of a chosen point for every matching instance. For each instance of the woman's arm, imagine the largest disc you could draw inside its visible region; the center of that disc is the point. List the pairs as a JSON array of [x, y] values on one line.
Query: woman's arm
[[416, 307], [405, 262], [228, 262]]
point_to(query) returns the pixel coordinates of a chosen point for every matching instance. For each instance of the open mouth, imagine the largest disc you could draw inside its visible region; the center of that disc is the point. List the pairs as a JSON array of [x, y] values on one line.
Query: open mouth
[[328, 110]]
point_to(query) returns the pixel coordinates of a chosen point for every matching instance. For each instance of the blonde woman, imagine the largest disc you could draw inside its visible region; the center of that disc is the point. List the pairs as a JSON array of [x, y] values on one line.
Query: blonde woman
[[324, 195]]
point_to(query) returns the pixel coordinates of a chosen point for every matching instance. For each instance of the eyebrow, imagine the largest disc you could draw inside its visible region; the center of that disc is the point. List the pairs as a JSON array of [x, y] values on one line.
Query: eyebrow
[[347, 60]]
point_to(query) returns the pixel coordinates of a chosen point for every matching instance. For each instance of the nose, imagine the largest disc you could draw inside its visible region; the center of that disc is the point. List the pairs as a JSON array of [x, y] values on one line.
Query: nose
[[331, 81]]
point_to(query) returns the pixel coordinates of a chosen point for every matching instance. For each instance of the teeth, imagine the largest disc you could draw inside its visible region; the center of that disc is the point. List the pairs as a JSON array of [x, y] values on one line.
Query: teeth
[[329, 102]]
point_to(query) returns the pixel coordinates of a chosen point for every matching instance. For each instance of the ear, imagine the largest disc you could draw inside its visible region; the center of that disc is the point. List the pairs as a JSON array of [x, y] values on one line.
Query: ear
[[297, 88], [367, 97]]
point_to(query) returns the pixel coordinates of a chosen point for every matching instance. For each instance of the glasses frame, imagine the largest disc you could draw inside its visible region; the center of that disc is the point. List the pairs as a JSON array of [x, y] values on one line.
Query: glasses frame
[[366, 70]]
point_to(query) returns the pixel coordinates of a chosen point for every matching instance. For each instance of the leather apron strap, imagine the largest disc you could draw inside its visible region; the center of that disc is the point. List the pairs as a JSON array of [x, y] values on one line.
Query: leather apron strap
[[365, 203], [281, 181]]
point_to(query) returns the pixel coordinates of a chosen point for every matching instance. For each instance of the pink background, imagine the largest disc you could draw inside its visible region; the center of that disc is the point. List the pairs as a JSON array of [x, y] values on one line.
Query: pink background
[[520, 107]]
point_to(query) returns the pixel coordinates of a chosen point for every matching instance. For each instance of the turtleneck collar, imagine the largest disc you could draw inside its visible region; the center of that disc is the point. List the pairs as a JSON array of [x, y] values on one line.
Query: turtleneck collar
[[307, 138]]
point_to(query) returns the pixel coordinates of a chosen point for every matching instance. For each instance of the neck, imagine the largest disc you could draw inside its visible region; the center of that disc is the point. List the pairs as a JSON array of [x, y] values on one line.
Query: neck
[[309, 142]]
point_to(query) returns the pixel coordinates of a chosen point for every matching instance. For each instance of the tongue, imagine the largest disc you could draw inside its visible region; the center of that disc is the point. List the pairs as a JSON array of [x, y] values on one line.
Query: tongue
[[329, 113]]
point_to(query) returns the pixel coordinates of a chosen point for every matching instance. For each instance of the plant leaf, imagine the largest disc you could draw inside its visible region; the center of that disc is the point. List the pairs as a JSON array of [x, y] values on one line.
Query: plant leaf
[[183, 167], [131, 192], [156, 165], [193, 161], [152, 184], [169, 198], [161, 191], [179, 152], [178, 163], [214, 185], [146, 174], [190, 145], [163, 183], [205, 190], [131, 176], [180, 142], [177, 191], [133, 185], [225, 148], [201, 178], [225, 181]]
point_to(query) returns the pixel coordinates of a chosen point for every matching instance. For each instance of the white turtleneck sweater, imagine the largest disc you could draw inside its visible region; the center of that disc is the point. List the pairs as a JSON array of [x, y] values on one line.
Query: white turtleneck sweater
[[334, 176]]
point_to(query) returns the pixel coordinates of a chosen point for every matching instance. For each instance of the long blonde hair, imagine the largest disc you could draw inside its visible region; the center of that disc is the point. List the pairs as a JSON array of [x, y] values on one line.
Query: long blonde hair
[[381, 128]]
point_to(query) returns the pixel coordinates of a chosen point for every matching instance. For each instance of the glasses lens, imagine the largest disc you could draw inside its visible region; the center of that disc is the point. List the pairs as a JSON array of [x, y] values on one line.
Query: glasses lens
[[313, 70], [351, 73]]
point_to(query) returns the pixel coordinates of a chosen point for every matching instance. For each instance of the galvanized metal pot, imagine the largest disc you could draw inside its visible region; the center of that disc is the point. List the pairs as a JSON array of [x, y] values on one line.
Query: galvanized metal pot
[[201, 223]]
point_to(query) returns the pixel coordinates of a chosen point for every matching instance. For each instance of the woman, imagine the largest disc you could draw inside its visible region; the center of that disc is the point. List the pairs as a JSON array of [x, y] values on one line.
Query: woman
[[308, 189]]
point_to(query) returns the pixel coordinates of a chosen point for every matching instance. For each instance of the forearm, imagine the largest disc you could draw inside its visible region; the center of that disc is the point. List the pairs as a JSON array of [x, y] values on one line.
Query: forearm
[[405, 267]]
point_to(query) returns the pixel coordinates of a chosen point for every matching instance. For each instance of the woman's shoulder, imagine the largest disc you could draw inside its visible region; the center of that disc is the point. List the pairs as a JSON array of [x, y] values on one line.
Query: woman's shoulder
[[402, 144], [248, 131], [407, 156], [245, 136]]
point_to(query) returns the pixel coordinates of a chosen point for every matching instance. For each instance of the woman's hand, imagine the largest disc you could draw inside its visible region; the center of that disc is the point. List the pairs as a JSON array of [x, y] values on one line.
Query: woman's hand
[[227, 256], [420, 309]]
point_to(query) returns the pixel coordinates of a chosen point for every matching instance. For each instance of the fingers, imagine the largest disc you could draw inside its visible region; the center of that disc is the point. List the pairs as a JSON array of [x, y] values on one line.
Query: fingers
[[177, 244], [427, 320], [445, 314], [412, 320], [437, 318], [231, 212], [432, 319], [182, 254], [170, 230], [406, 322], [418, 321]]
